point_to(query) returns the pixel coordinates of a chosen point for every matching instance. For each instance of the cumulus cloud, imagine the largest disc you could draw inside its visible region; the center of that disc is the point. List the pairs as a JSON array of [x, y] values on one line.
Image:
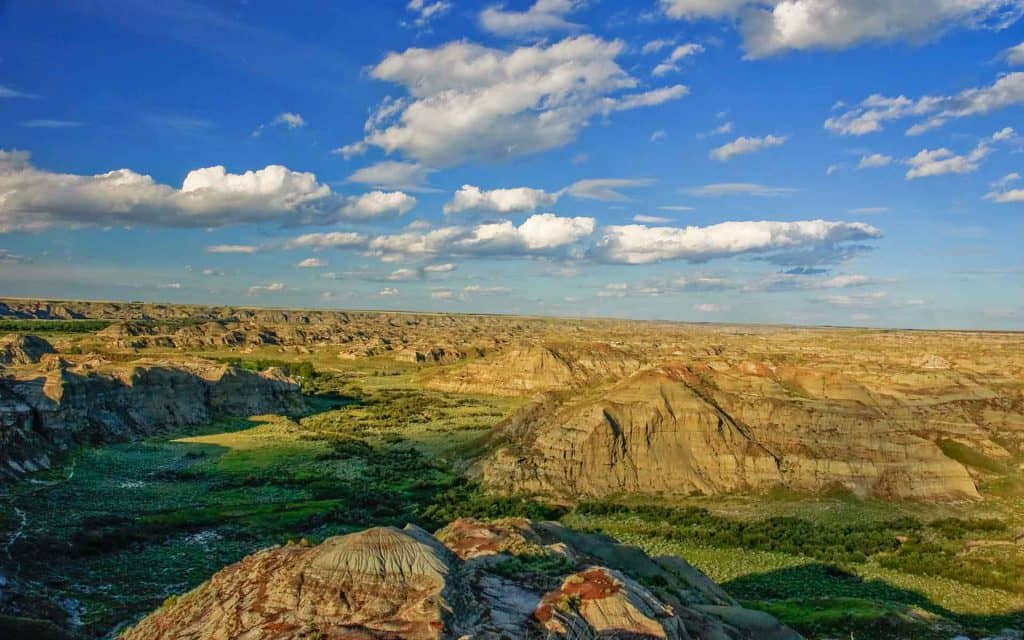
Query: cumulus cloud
[[376, 204], [311, 263], [442, 294], [937, 162], [772, 26], [232, 248], [644, 219], [446, 267], [539, 235], [485, 291], [35, 199], [654, 46], [426, 11], [518, 199], [930, 111], [544, 15], [467, 101], [639, 244], [744, 145], [391, 174], [388, 292], [874, 161], [738, 188]]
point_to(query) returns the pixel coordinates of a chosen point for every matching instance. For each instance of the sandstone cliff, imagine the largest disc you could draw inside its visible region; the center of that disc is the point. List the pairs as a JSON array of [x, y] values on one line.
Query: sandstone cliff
[[390, 583], [674, 430], [48, 407]]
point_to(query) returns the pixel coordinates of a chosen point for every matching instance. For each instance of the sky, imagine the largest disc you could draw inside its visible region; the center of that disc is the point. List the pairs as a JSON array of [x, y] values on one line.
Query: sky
[[841, 162]]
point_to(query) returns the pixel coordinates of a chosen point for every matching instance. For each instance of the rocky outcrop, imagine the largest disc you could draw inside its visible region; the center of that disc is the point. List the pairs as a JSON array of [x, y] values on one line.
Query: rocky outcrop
[[57, 404], [503, 579], [674, 430], [534, 368], [23, 349]]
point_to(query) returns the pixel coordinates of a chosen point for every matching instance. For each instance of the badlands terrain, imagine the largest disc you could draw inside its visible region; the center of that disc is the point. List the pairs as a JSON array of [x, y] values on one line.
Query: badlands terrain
[[160, 462]]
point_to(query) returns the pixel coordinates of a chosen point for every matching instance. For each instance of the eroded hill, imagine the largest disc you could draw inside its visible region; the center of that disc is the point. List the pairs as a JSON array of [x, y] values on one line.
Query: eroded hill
[[475, 579]]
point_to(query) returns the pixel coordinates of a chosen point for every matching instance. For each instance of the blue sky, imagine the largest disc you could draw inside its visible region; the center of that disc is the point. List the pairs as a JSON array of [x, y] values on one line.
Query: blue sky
[[800, 161]]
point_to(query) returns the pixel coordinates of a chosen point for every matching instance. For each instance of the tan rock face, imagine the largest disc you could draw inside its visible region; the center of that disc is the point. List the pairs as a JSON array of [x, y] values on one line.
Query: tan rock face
[[23, 349], [56, 404], [389, 583], [676, 430]]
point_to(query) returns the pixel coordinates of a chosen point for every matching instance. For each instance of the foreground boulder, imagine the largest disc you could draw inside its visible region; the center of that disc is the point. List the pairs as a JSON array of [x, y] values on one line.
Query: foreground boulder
[[57, 404], [502, 579]]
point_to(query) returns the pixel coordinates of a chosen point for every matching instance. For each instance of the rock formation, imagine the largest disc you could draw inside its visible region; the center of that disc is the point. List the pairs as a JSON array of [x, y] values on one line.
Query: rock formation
[[676, 430], [23, 349], [502, 579], [56, 404]]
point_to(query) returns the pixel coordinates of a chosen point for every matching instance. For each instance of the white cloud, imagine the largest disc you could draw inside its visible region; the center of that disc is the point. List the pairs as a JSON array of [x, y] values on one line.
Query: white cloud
[[518, 199], [835, 168], [654, 46], [744, 145], [485, 291], [846, 281], [403, 275], [679, 53], [467, 101], [936, 162], [639, 244], [391, 174], [874, 161], [286, 119], [427, 11], [446, 267], [376, 204], [672, 207], [329, 240], [388, 292], [232, 248], [1008, 179], [709, 307], [272, 287], [605, 188], [931, 111], [169, 285], [311, 263], [738, 188], [1015, 55], [541, 234], [442, 294], [1007, 197], [658, 135], [544, 15], [642, 219], [691, 9], [35, 199], [722, 129], [772, 26]]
